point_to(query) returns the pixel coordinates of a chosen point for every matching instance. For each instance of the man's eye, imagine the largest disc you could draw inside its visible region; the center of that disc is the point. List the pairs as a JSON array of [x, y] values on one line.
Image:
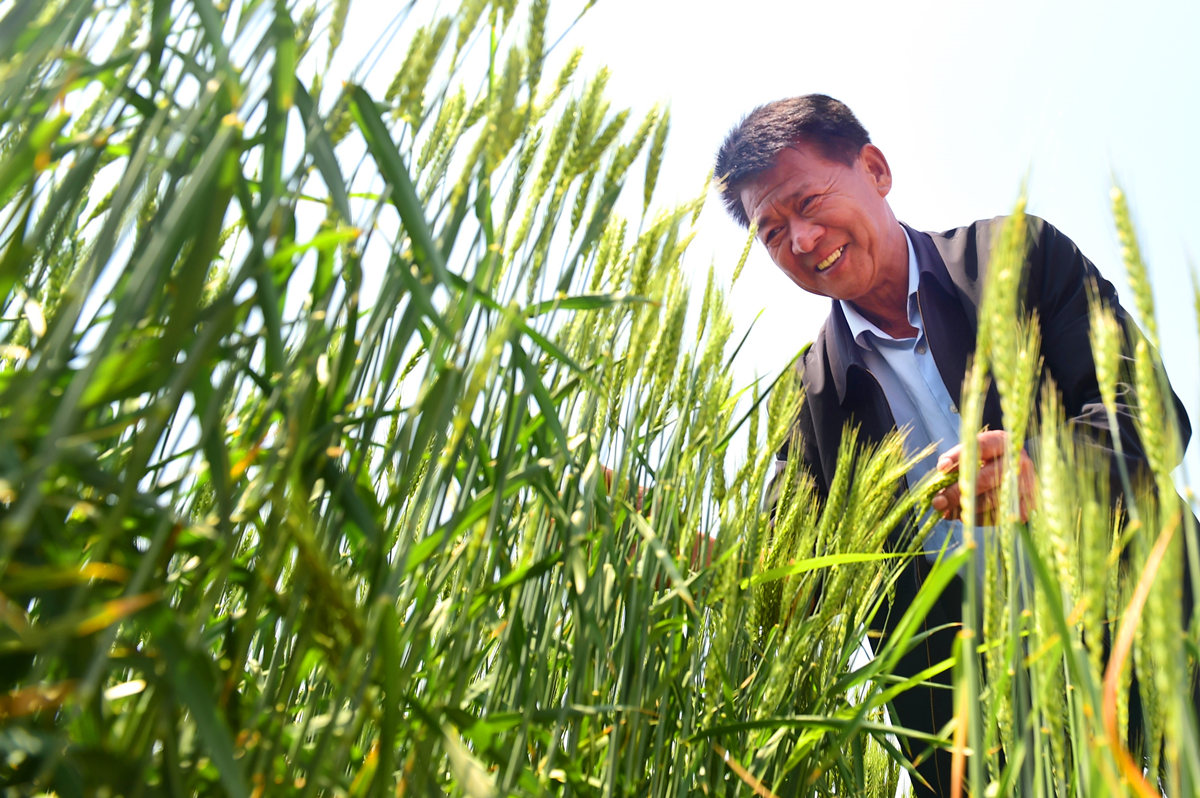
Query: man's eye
[[809, 202], [772, 235]]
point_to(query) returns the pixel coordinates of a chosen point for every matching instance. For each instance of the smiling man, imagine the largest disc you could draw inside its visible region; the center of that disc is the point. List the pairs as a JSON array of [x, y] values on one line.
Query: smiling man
[[894, 350]]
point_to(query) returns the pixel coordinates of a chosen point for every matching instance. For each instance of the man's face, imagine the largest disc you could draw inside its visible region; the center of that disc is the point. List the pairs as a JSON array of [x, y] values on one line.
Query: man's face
[[826, 224]]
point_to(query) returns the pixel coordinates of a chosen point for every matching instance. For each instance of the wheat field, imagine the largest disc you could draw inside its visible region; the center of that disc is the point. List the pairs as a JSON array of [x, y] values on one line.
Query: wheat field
[[364, 441]]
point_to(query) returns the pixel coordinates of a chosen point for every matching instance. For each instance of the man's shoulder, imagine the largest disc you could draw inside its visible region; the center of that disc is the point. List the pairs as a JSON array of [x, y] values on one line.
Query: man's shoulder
[[980, 234], [965, 251]]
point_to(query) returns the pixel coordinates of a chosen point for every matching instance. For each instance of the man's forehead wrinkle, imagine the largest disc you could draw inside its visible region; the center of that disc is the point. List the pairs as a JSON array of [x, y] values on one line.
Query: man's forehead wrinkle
[[782, 193], [765, 209], [762, 218]]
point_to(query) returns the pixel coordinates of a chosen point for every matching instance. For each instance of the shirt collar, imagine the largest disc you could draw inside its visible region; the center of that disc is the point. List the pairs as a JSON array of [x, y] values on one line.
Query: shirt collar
[[861, 329]]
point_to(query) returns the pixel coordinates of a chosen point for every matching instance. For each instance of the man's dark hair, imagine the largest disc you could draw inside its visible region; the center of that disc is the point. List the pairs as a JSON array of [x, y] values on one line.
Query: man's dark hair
[[753, 145]]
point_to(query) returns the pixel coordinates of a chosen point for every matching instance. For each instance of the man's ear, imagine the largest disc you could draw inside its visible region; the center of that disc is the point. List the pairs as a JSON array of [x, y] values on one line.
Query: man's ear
[[877, 167]]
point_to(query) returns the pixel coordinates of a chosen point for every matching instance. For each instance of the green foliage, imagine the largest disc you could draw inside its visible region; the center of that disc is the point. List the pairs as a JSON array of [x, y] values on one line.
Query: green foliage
[[311, 481], [352, 443]]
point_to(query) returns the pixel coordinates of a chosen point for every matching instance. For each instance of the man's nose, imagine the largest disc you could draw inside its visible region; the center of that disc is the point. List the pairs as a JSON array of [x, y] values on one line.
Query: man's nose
[[805, 235]]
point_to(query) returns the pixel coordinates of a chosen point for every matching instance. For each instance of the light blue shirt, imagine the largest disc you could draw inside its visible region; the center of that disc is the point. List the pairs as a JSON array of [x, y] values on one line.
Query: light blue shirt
[[919, 401]]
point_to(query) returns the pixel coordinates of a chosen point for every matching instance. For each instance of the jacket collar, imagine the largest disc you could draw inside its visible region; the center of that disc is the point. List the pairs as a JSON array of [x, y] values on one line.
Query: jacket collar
[[835, 338]]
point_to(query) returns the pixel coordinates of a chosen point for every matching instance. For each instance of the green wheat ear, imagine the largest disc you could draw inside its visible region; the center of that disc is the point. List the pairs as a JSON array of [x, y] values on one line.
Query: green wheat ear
[[1135, 266], [1105, 337], [943, 480], [655, 157], [737, 270]]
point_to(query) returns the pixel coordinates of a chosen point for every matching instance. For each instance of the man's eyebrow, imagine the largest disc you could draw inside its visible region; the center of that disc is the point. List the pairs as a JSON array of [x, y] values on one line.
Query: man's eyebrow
[[791, 196], [761, 221]]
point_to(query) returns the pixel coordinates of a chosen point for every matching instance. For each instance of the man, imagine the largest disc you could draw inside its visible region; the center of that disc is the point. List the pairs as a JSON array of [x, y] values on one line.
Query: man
[[894, 350]]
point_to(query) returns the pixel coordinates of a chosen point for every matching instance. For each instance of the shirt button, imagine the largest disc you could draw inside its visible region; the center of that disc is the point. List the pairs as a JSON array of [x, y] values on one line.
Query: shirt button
[[954, 408], [920, 349]]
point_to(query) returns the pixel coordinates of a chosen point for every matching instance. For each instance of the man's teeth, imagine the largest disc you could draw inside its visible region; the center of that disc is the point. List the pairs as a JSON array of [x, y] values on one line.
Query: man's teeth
[[825, 264]]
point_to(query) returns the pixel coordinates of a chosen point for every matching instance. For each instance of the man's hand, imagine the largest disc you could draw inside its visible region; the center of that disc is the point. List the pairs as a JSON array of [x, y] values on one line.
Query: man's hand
[[992, 444]]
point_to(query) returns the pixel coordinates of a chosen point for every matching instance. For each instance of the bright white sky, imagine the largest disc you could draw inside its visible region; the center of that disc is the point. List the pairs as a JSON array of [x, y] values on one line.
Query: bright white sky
[[964, 98]]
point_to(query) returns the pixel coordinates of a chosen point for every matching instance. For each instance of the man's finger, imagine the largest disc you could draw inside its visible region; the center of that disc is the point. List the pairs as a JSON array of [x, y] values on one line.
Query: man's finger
[[949, 461], [1027, 482], [947, 502], [992, 444], [985, 508], [989, 477]]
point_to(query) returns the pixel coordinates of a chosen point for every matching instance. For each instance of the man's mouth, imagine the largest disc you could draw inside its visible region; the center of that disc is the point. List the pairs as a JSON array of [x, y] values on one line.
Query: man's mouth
[[829, 261]]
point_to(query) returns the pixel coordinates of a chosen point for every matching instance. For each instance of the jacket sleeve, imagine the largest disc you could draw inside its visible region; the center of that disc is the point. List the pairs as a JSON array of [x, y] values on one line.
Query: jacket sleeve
[[1057, 288]]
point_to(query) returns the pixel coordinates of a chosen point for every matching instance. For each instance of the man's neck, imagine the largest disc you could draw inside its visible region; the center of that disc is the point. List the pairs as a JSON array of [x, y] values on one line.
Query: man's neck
[[894, 324], [887, 305]]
